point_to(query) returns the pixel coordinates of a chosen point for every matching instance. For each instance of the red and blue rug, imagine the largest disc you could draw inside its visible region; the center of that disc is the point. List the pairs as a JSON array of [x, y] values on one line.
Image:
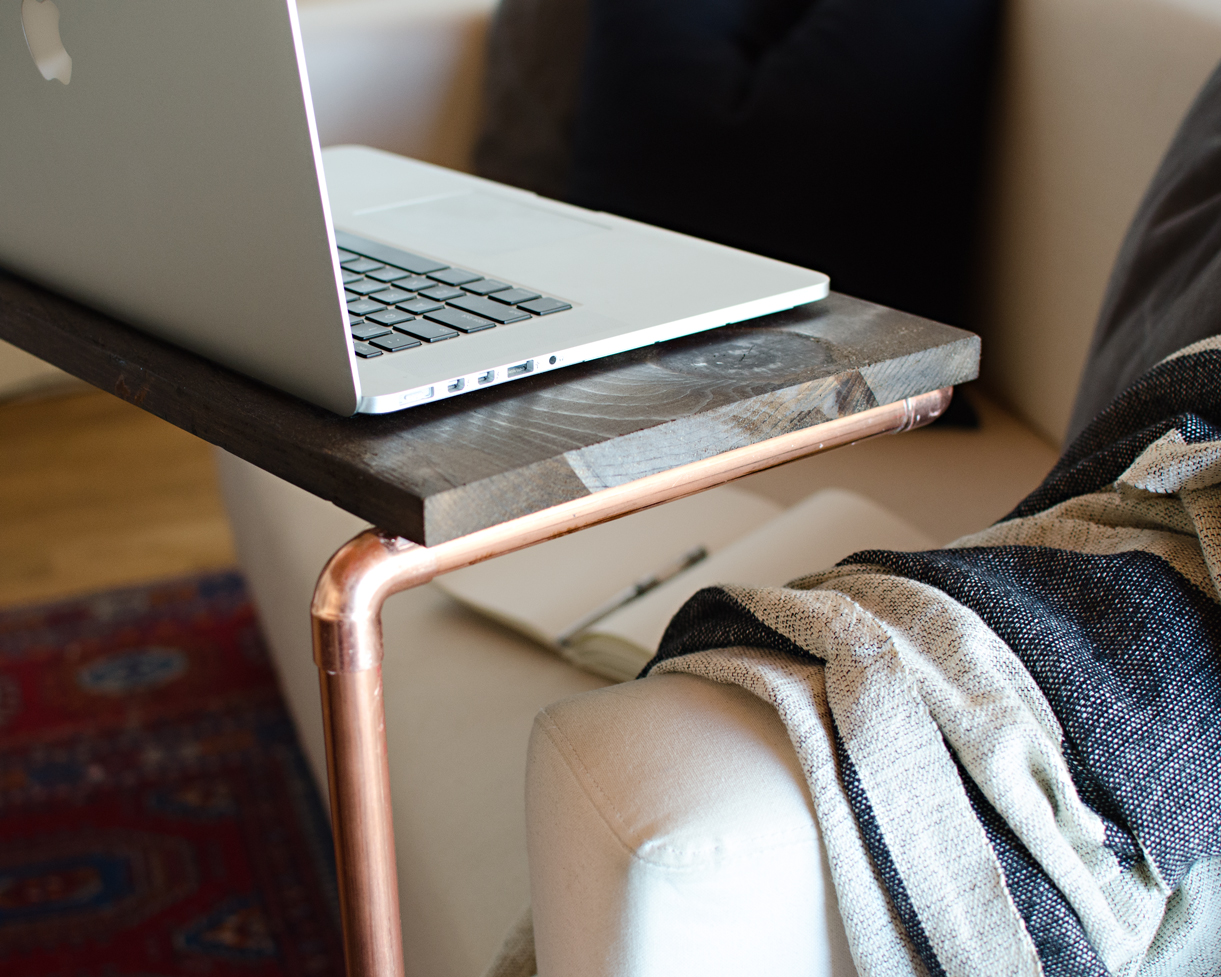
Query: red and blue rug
[[157, 817]]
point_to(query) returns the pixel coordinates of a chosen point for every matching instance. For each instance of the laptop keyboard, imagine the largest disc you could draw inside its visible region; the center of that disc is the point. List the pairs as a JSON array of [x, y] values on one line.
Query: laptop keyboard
[[399, 301]]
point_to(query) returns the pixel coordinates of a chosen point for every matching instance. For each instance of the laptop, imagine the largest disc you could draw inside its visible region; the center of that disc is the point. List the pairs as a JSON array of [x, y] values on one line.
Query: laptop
[[160, 162]]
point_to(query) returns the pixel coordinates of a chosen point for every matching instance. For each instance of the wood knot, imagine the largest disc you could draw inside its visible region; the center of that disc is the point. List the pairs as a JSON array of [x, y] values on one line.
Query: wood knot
[[122, 390]]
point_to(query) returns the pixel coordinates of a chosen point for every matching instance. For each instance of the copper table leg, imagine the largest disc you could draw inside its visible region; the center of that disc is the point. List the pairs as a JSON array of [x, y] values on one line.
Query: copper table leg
[[347, 631]]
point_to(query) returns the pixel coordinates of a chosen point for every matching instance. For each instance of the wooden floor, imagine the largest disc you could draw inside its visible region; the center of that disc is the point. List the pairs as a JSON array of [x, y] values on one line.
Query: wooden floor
[[95, 493]]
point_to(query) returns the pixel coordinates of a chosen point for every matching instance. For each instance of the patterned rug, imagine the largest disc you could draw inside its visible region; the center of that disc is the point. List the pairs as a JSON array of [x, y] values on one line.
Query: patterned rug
[[157, 817]]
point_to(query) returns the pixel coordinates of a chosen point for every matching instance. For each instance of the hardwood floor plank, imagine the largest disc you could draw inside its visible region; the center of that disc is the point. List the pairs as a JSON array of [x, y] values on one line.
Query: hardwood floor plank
[[96, 493]]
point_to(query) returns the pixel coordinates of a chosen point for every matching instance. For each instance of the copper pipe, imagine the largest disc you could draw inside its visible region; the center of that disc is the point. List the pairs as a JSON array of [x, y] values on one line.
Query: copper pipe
[[346, 612], [358, 773]]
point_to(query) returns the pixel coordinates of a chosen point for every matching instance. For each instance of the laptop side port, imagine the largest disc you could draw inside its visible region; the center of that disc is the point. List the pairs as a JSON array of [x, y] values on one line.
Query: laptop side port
[[487, 377], [457, 385], [521, 368]]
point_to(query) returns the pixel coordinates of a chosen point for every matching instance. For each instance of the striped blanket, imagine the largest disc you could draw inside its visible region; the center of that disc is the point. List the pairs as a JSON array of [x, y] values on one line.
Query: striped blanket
[[1013, 744]]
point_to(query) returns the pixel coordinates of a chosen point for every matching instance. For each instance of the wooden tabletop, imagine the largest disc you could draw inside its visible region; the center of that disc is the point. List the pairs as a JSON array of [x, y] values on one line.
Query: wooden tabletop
[[438, 471]]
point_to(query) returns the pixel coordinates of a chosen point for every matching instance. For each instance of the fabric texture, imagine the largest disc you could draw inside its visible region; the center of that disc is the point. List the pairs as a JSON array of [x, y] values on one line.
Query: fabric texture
[[1025, 726], [1165, 288]]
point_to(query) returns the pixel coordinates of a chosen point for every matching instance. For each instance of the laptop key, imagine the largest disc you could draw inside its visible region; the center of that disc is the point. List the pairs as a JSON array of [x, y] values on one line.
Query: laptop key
[[396, 341], [489, 310], [410, 262], [462, 321], [441, 293], [454, 276], [391, 317], [363, 286], [365, 351], [514, 295], [544, 306], [388, 274], [349, 276], [414, 283], [390, 296], [347, 255], [367, 330], [485, 286], [430, 332], [364, 307], [419, 306], [383, 252], [362, 265]]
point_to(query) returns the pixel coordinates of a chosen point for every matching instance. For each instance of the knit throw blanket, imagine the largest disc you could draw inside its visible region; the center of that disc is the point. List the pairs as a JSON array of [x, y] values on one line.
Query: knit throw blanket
[[1013, 744]]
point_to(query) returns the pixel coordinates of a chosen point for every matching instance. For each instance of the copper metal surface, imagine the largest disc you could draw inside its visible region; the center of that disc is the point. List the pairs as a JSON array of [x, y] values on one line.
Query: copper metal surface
[[358, 774], [346, 614]]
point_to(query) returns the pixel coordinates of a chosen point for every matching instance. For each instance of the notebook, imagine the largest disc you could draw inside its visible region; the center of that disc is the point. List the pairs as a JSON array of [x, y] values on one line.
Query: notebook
[[542, 592]]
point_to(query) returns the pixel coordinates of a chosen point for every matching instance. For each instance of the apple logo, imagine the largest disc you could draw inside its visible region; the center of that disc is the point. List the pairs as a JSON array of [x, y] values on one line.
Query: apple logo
[[40, 19]]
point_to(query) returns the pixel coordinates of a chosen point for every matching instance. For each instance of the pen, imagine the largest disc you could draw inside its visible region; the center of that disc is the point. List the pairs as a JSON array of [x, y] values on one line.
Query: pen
[[631, 592]]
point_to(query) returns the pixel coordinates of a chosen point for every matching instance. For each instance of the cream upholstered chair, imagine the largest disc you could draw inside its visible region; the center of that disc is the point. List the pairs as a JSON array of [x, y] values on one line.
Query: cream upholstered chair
[[669, 827], [1093, 90]]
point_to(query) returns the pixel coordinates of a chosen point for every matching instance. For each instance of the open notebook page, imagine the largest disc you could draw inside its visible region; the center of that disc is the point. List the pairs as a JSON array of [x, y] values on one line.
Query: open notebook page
[[543, 590], [814, 534]]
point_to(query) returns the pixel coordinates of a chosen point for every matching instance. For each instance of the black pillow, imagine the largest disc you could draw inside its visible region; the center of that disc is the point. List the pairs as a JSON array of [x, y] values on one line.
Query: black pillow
[[535, 52], [843, 135], [1165, 288]]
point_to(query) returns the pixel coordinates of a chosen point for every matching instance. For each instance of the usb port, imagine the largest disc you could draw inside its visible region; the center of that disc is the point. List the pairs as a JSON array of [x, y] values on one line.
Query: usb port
[[488, 377], [457, 385], [516, 371]]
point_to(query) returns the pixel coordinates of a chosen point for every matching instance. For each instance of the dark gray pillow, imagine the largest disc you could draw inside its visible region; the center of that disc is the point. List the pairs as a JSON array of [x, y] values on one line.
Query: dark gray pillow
[[535, 52], [1165, 288], [843, 135]]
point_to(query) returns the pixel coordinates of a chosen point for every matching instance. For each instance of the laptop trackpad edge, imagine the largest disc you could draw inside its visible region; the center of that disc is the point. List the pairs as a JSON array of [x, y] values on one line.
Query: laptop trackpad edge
[[475, 223]]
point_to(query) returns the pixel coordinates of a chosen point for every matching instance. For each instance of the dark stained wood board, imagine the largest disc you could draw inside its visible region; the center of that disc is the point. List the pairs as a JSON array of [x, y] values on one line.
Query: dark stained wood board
[[438, 471]]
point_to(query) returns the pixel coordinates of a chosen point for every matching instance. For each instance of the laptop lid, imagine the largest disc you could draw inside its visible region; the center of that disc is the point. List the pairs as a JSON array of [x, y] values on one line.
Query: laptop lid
[[163, 165]]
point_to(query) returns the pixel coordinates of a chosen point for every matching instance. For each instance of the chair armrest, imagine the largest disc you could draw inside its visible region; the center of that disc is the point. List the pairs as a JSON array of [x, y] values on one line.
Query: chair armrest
[[670, 831]]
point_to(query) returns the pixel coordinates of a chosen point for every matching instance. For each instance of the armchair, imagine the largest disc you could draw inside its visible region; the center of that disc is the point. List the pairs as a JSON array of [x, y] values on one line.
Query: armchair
[[1092, 92]]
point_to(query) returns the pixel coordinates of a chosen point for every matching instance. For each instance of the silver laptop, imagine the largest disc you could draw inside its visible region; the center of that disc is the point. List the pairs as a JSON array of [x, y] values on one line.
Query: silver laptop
[[159, 160]]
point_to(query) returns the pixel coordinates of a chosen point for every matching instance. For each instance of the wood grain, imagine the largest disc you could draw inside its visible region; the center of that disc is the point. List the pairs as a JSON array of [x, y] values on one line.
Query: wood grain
[[438, 471]]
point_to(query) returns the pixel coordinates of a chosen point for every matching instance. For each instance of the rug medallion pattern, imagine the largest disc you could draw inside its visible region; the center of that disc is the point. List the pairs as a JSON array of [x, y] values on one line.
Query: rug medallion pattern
[[157, 817]]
